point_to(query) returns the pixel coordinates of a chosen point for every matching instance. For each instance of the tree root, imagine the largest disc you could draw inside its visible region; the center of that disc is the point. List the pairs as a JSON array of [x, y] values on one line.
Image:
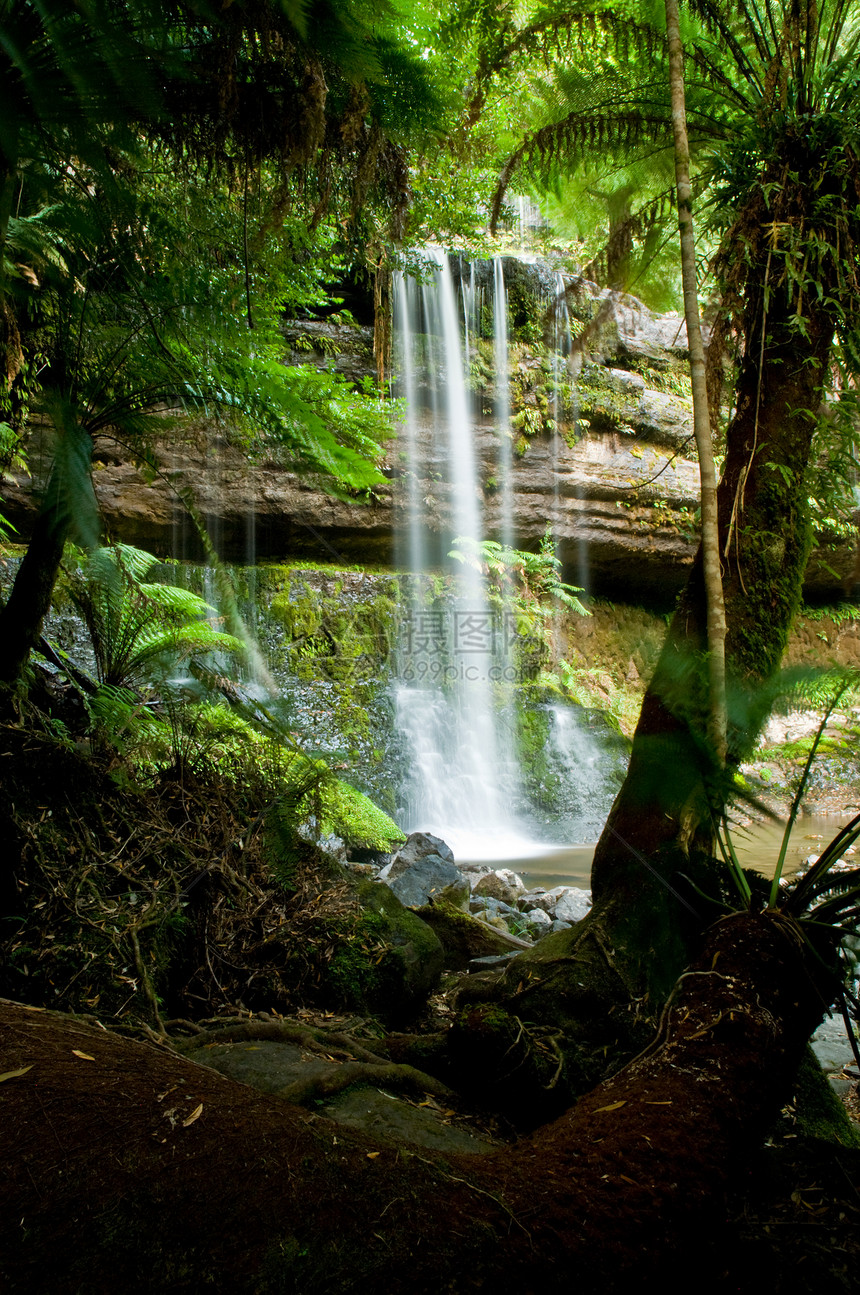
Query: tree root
[[363, 1066], [327, 1043], [387, 1073]]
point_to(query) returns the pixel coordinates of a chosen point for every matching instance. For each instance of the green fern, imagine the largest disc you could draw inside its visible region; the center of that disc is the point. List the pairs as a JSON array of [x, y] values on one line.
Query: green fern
[[140, 630]]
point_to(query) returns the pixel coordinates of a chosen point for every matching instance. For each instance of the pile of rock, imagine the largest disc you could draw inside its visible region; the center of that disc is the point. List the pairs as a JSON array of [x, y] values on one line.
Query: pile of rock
[[423, 872]]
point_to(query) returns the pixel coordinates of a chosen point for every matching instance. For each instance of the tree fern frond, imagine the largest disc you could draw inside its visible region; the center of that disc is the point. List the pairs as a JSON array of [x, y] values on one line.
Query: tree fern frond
[[802, 893], [835, 884], [571, 137], [716, 19], [132, 624]]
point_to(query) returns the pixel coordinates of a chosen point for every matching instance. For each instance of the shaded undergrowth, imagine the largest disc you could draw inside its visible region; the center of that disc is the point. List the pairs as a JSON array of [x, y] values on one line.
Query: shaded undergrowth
[[188, 896]]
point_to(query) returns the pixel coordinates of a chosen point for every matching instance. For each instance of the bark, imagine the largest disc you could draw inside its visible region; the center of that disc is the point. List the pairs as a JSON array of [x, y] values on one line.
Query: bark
[[663, 810], [30, 598], [67, 511], [114, 1179], [711, 567]]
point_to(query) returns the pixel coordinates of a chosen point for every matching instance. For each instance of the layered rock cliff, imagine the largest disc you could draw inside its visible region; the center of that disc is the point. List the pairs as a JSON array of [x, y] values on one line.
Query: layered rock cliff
[[603, 453]]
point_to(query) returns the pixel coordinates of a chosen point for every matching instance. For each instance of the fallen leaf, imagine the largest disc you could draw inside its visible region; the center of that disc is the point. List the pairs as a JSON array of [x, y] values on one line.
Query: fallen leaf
[[371, 1155], [84, 1056], [613, 1107], [13, 1074], [195, 1115]]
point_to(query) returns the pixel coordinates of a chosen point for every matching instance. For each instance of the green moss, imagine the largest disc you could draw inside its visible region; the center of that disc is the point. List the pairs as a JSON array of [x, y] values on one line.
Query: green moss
[[340, 637], [800, 749], [776, 541], [819, 1112], [299, 614], [391, 961], [349, 814]]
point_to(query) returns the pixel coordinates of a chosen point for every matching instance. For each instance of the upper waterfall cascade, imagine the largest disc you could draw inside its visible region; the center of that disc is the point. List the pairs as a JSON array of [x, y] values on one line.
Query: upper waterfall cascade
[[456, 699]]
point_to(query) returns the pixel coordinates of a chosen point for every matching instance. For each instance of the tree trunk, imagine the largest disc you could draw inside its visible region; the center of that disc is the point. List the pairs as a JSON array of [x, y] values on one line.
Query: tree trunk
[[711, 566], [129, 1168], [68, 511], [30, 598]]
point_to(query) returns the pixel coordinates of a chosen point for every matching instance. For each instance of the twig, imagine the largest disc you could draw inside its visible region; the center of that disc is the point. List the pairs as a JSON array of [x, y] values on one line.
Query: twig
[[146, 982]]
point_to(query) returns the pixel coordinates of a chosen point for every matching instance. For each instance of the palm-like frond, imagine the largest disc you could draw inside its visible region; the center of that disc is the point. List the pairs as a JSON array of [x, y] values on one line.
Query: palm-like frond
[[135, 625]]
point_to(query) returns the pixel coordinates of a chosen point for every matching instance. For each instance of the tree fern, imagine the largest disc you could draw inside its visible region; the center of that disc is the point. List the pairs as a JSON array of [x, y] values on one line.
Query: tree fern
[[140, 630]]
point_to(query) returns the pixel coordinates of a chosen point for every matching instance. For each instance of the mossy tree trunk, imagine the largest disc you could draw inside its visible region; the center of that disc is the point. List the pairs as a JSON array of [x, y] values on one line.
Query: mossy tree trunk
[[660, 825]]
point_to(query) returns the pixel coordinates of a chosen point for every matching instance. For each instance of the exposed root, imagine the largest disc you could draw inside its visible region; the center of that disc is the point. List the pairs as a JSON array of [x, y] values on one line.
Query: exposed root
[[387, 1073], [324, 1042]]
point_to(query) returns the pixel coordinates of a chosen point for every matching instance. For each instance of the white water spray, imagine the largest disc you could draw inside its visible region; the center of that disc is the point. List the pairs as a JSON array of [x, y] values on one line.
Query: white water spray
[[503, 403], [463, 777]]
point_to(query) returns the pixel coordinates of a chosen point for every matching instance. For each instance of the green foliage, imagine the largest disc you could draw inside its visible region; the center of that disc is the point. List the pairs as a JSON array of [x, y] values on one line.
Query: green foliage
[[842, 613], [345, 812], [526, 577], [162, 205], [314, 799], [526, 585], [138, 629]]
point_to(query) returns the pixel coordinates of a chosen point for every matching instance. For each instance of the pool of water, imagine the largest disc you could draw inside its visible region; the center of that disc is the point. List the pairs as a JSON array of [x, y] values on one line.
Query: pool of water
[[757, 846]]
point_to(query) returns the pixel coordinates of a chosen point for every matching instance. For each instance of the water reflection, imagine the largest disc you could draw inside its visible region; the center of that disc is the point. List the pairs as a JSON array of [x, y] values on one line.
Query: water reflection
[[757, 846]]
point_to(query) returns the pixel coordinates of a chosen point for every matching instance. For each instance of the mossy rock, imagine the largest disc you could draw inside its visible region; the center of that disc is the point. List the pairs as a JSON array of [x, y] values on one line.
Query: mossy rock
[[462, 936], [393, 964]]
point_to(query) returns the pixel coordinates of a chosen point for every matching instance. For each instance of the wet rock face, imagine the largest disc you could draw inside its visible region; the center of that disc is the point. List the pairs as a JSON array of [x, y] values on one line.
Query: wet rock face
[[423, 870], [616, 476]]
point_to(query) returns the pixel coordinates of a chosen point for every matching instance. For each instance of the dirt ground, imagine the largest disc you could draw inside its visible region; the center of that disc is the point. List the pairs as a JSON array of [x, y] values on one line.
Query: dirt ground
[[79, 1139]]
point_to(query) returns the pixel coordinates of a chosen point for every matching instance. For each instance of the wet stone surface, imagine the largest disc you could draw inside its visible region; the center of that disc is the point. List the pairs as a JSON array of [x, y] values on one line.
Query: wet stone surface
[[270, 1067]]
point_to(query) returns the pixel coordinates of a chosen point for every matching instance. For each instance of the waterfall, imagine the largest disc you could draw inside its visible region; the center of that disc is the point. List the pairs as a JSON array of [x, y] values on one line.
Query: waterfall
[[411, 556], [561, 338], [456, 720], [495, 769], [463, 777], [562, 367], [503, 403]]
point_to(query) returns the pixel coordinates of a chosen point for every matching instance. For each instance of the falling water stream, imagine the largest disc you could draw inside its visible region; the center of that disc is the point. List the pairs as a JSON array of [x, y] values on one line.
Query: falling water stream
[[460, 781], [454, 699], [503, 402]]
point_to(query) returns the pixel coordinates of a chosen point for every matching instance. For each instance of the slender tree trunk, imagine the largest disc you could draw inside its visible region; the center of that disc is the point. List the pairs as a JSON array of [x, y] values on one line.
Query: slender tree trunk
[[716, 617], [127, 1167], [68, 511]]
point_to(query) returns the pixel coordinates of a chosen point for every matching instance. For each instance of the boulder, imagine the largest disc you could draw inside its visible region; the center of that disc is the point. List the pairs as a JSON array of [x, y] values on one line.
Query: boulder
[[572, 905], [418, 845], [464, 937], [423, 870], [494, 887], [485, 903], [539, 922], [562, 903], [397, 984]]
